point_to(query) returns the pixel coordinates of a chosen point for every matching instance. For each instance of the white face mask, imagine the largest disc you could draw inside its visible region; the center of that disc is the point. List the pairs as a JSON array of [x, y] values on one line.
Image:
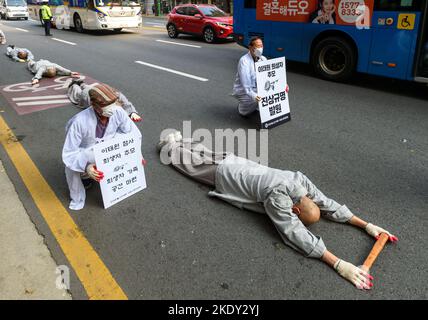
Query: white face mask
[[258, 52], [109, 110]]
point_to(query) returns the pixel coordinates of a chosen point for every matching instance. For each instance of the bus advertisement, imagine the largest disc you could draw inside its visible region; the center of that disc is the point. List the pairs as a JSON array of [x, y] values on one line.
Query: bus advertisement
[[338, 37], [90, 14]]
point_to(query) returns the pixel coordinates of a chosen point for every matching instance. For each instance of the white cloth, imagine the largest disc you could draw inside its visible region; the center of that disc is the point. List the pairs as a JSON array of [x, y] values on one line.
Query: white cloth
[[40, 67], [13, 53], [77, 152], [249, 185], [245, 86]]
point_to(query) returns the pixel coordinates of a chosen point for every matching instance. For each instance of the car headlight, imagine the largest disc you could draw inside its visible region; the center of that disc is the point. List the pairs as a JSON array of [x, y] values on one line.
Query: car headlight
[[101, 16], [221, 24]]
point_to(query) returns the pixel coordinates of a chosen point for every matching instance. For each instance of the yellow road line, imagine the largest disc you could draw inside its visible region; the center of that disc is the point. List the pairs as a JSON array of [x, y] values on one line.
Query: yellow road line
[[154, 28], [94, 275]]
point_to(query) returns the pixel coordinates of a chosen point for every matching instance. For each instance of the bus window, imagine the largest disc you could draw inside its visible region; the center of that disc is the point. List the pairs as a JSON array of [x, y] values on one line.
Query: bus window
[[398, 5], [250, 4]]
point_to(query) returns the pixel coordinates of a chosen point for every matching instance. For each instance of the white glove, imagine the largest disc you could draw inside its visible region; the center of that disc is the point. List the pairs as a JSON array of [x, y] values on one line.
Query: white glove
[[135, 117], [356, 276], [375, 232], [93, 173]]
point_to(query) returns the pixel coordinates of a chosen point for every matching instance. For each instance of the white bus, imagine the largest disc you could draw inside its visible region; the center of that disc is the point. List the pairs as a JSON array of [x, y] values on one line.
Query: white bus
[[90, 14]]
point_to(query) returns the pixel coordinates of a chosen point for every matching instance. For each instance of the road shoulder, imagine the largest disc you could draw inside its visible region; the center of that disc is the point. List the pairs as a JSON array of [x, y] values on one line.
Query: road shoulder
[[27, 269]]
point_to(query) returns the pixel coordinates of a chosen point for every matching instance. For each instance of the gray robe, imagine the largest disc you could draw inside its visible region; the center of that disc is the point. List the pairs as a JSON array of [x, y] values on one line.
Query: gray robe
[[13, 53], [40, 67], [249, 185], [79, 95]]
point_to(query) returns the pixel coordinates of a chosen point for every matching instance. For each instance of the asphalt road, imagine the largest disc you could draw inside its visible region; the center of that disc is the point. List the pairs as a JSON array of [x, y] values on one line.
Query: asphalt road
[[363, 143]]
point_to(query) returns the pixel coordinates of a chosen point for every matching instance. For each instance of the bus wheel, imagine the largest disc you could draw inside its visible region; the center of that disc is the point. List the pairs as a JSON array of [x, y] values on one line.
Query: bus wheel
[[334, 59], [78, 23], [209, 35], [172, 31]]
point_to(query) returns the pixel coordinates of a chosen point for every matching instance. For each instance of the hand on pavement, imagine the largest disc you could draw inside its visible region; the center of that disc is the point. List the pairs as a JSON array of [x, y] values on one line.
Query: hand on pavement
[[22, 60], [35, 81], [375, 232], [135, 117], [258, 98], [358, 277], [93, 173], [75, 74]]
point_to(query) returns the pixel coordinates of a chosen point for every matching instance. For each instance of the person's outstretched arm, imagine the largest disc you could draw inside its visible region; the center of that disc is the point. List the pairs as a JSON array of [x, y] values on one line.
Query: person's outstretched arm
[[371, 229], [358, 277]]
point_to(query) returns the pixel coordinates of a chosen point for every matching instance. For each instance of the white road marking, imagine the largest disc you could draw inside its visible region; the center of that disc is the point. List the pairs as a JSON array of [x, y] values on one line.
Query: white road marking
[[21, 29], [155, 24], [67, 42], [179, 44], [172, 71], [59, 96], [34, 103]]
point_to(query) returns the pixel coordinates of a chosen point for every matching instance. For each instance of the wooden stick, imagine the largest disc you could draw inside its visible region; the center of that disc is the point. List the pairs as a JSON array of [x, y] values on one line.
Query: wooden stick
[[377, 248]]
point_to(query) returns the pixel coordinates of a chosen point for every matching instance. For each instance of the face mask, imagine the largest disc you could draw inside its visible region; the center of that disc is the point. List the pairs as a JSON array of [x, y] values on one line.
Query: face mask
[[258, 52], [109, 110]]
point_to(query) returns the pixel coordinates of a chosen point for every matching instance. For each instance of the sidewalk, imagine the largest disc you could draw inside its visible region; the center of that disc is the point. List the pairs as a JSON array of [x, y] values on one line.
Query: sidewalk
[[27, 270]]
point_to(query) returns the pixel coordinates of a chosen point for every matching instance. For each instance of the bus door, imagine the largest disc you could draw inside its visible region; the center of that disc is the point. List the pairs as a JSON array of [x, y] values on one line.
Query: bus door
[[421, 65], [395, 28]]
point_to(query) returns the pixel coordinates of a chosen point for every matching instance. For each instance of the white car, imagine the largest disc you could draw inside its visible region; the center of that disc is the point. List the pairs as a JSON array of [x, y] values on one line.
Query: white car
[[13, 9]]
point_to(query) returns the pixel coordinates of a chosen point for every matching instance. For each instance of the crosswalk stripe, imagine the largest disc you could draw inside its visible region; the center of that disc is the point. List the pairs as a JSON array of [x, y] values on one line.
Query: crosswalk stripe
[[40, 98], [41, 102]]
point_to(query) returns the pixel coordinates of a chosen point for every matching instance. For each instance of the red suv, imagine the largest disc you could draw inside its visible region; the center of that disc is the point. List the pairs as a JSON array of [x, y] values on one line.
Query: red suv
[[207, 21]]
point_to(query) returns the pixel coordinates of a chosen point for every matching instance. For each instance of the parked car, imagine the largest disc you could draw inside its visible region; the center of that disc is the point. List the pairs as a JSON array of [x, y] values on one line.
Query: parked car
[[207, 21], [13, 9]]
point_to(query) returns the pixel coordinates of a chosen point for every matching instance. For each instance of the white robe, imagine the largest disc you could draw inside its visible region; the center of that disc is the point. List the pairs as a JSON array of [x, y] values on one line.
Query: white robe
[[245, 86], [77, 152]]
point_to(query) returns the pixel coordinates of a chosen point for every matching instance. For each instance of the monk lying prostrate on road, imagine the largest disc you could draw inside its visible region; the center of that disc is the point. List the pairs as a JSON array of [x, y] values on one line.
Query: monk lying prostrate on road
[[289, 198]]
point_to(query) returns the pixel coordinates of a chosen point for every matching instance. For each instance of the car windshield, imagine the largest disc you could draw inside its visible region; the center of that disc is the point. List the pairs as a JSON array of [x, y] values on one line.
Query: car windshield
[[213, 12], [117, 3], [16, 3]]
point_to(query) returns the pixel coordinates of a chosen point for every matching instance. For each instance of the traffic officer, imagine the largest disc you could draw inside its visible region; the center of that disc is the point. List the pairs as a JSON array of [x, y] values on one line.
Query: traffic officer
[[46, 14]]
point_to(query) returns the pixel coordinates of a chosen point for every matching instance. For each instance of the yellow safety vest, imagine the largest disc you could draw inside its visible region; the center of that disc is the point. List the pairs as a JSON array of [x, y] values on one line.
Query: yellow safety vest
[[46, 12]]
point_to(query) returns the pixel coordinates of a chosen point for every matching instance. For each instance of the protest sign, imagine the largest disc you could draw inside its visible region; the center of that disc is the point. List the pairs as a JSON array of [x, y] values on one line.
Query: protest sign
[[120, 160], [271, 83]]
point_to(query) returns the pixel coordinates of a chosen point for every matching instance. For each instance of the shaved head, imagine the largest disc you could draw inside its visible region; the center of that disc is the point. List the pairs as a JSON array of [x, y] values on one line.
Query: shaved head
[[50, 72], [307, 211], [22, 55]]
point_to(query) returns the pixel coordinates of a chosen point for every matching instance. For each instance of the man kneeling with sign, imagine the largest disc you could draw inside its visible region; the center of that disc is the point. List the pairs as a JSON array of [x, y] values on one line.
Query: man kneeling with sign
[[100, 122]]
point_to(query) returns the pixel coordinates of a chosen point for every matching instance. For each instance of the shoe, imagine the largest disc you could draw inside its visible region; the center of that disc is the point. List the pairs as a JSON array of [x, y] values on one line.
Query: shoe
[[75, 81], [177, 136], [170, 138], [87, 183], [49, 35]]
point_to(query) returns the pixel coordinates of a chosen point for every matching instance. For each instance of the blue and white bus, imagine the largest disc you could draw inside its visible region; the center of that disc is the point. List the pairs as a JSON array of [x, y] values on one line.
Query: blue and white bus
[[91, 14], [381, 37]]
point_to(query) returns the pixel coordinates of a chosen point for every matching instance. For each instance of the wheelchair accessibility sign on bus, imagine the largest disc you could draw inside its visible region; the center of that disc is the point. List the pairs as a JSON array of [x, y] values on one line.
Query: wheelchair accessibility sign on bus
[[47, 94]]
